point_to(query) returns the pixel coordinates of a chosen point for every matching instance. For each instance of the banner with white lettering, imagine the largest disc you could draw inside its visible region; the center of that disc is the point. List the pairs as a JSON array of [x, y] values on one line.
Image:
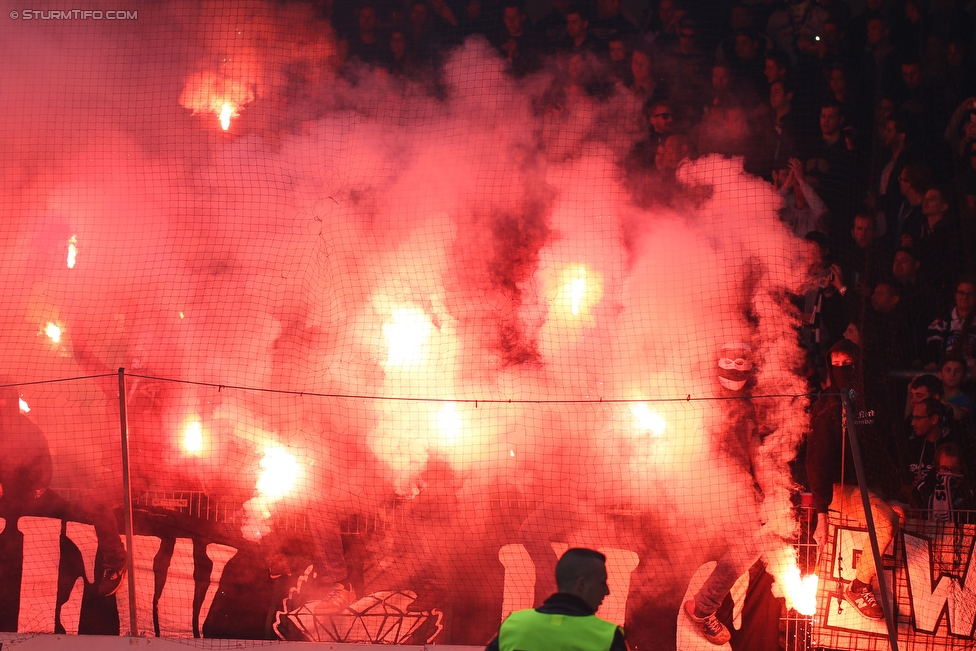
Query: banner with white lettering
[[933, 588]]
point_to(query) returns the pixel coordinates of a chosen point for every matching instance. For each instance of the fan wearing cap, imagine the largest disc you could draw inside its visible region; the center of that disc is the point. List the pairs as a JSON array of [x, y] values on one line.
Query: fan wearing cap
[[833, 478]]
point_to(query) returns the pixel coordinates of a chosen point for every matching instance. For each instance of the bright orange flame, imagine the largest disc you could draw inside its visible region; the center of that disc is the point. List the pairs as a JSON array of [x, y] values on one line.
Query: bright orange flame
[[72, 251], [406, 337], [279, 475], [647, 419], [226, 113], [579, 290], [450, 423], [193, 438], [800, 591], [24, 407], [53, 331]]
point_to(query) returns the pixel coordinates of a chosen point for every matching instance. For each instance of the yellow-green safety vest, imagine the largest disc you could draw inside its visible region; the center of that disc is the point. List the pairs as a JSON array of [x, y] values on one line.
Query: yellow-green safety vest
[[530, 630]]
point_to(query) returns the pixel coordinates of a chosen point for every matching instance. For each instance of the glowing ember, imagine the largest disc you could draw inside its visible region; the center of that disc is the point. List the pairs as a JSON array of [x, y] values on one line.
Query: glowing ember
[[648, 420], [193, 438], [53, 331], [800, 591], [279, 475], [226, 113], [72, 251], [450, 423], [406, 337], [24, 407]]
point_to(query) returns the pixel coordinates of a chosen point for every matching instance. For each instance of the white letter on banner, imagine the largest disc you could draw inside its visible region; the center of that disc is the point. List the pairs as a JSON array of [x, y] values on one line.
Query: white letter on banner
[[931, 598], [176, 601], [39, 582]]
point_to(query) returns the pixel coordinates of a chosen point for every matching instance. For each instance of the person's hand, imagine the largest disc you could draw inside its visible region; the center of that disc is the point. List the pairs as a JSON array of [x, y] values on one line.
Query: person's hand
[[796, 170], [820, 535], [836, 276]]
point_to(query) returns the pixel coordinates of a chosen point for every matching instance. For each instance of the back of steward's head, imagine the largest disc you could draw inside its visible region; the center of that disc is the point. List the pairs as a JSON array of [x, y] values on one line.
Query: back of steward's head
[[576, 563]]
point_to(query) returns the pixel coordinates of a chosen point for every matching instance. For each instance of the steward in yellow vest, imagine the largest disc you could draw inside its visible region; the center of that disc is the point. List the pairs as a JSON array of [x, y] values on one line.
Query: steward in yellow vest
[[567, 620]]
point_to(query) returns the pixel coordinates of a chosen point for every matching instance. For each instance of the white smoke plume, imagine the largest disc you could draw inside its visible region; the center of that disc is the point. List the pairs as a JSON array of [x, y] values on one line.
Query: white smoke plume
[[463, 249]]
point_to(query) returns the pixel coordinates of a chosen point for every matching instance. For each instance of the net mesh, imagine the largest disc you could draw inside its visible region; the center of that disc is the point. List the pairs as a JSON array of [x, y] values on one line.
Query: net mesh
[[389, 336]]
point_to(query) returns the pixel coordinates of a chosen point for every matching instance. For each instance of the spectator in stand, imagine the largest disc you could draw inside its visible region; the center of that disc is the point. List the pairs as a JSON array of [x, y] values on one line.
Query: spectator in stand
[[552, 27], [879, 59], [863, 259], [960, 133], [741, 19], [956, 332], [952, 372], [688, 65], [620, 61], [785, 129], [960, 73], [643, 80], [611, 22], [909, 28], [912, 183], [662, 24], [796, 21], [477, 19], [516, 43], [935, 238], [424, 41], [722, 88], [660, 121], [444, 23], [401, 59], [675, 149], [914, 306], [830, 166], [803, 210], [851, 97], [580, 40], [364, 44], [894, 135], [882, 337], [858, 28], [929, 434], [922, 100], [945, 490], [921, 388], [748, 65], [777, 66], [825, 315]]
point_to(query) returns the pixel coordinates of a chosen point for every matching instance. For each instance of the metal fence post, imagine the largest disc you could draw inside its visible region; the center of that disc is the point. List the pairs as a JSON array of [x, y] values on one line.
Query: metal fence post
[[869, 521], [127, 505]]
